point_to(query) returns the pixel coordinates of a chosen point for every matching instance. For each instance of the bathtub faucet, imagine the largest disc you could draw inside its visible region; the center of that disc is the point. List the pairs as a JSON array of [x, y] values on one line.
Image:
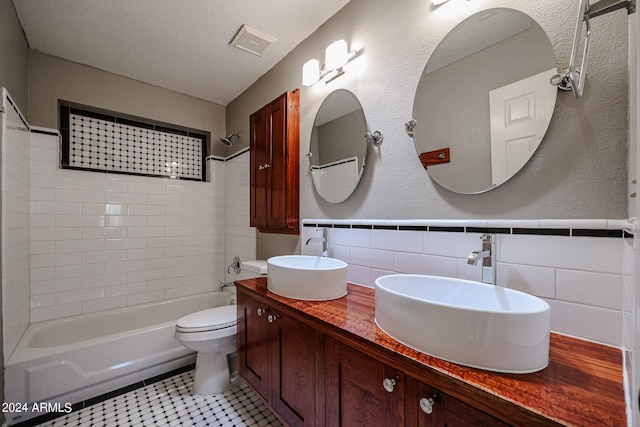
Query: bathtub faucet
[[235, 266], [225, 284], [487, 255], [323, 240]]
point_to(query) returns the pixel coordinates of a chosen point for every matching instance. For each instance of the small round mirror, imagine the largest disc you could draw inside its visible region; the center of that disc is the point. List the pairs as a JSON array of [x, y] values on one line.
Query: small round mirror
[[338, 146], [484, 101]]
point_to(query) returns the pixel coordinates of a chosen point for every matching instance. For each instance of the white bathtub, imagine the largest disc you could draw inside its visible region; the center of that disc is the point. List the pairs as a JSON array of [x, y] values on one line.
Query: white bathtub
[[77, 358]]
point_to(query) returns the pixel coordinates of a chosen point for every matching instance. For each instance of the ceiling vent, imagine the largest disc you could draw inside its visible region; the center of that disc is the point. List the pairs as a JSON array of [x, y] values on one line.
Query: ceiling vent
[[252, 40]]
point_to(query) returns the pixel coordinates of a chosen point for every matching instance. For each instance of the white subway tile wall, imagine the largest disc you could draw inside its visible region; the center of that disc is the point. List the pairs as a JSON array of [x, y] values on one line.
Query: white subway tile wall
[[15, 228], [101, 241], [581, 277], [629, 313], [241, 238]]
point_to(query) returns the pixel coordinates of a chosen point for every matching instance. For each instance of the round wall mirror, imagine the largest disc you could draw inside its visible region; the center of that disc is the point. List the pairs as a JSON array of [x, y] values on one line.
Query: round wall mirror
[[484, 101], [338, 146]]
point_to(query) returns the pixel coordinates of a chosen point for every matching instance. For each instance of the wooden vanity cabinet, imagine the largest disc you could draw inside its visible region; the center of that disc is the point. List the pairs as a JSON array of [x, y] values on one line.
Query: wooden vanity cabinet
[[276, 356], [361, 391], [428, 407], [309, 375], [274, 165]]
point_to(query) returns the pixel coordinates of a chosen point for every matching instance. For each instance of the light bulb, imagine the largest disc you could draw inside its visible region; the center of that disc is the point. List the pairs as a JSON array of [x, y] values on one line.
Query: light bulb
[[310, 72], [336, 55]]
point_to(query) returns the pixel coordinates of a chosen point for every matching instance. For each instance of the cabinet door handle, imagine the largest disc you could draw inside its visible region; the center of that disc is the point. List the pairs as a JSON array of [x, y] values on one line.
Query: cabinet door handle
[[426, 404], [261, 311], [263, 167], [272, 317], [389, 384]]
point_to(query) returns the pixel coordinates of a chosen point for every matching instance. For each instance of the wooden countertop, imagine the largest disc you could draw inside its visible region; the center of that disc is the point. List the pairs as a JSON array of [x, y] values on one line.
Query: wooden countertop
[[582, 386]]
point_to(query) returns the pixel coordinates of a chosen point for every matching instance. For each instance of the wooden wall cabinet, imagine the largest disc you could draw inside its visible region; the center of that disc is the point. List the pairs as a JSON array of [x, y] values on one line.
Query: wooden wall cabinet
[[274, 165], [276, 356]]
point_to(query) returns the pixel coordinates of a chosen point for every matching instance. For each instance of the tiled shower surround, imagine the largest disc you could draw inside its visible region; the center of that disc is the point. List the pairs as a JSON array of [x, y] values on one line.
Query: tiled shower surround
[[101, 241], [240, 237], [587, 280], [15, 227], [78, 242]]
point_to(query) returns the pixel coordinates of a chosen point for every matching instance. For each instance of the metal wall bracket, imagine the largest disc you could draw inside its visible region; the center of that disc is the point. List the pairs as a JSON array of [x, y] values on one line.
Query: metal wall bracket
[[573, 78], [408, 127], [375, 137]]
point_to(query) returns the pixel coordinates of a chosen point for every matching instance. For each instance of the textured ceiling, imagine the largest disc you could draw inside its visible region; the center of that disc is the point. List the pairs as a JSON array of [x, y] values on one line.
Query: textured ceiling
[[179, 45]]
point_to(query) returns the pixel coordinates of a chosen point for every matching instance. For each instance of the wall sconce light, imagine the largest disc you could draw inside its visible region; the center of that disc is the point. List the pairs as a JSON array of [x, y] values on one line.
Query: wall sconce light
[[336, 56]]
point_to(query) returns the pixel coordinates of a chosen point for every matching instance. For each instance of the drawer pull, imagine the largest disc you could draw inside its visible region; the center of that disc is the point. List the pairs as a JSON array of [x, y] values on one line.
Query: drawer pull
[[426, 404], [272, 317], [389, 384]]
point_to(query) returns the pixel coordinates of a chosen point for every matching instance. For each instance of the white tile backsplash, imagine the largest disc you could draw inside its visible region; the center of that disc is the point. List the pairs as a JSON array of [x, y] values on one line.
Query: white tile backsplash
[[457, 245], [350, 237], [591, 323], [538, 281], [578, 253], [405, 241], [589, 288], [359, 274], [581, 277], [413, 263], [370, 257]]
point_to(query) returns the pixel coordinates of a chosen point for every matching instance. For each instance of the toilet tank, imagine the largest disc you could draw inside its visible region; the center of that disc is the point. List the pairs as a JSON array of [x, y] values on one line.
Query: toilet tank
[[250, 269]]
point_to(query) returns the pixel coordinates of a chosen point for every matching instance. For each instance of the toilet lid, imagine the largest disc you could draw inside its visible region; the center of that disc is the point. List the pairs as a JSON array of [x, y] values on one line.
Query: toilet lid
[[209, 320]]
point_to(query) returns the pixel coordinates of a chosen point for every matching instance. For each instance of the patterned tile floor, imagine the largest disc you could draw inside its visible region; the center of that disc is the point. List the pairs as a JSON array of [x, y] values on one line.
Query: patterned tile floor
[[169, 403]]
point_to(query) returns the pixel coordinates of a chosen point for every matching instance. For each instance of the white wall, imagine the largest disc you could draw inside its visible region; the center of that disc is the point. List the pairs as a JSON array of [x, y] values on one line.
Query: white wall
[[579, 170], [14, 51], [52, 79], [101, 241]]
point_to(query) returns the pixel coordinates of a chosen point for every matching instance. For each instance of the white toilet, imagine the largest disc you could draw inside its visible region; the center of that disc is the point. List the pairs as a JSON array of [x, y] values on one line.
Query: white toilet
[[212, 333]]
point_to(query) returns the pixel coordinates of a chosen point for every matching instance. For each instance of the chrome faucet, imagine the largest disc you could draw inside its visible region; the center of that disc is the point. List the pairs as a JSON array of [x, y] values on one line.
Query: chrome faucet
[[487, 255], [235, 266], [225, 285], [324, 240]]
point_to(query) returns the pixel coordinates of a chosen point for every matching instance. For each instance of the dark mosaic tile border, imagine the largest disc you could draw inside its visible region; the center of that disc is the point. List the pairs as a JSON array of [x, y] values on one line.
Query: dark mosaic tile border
[[567, 232], [90, 150]]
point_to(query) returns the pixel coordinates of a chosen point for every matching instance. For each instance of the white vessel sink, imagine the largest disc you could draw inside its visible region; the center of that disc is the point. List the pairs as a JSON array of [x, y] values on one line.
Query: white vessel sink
[[470, 323], [307, 277]]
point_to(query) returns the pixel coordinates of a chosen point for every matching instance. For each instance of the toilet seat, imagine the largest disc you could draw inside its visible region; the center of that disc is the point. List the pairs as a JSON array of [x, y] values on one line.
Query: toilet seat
[[212, 319]]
